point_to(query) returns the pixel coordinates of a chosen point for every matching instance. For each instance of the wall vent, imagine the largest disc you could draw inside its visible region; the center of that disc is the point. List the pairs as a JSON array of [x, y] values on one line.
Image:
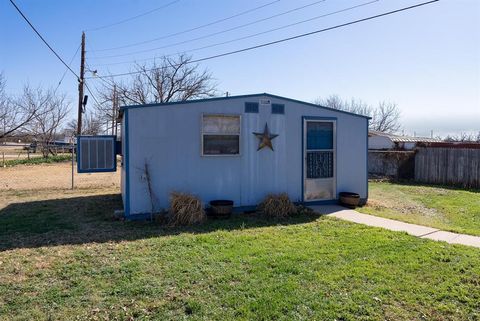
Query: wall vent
[[251, 107], [278, 109]]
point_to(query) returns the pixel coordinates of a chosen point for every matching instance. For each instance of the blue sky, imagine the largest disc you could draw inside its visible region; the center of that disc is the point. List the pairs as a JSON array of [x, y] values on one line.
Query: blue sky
[[426, 60]]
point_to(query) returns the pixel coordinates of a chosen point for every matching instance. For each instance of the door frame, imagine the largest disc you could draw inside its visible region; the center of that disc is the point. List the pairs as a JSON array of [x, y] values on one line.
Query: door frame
[[333, 120]]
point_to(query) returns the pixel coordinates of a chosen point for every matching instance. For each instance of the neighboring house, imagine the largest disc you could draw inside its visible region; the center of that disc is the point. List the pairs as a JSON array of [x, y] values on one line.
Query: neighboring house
[[385, 141], [240, 148]]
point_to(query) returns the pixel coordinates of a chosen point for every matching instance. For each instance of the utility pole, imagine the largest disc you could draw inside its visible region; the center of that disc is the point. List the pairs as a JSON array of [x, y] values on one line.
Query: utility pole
[[114, 107], [80, 87], [117, 107]]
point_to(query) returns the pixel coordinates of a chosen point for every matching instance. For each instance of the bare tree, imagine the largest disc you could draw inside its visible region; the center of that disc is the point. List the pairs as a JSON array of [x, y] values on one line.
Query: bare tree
[[166, 80], [52, 110], [385, 117], [13, 116], [332, 101], [353, 105], [91, 125], [464, 137]]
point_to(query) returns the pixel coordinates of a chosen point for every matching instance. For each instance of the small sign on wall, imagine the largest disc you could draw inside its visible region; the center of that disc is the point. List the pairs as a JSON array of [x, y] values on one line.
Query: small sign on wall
[[265, 102], [96, 154]]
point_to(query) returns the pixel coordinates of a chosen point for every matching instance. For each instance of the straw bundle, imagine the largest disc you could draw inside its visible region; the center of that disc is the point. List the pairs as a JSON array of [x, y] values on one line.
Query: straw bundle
[[185, 209], [277, 206]]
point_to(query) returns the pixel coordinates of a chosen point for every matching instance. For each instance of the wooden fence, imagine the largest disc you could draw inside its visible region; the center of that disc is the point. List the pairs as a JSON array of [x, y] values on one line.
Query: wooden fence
[[448, 166]]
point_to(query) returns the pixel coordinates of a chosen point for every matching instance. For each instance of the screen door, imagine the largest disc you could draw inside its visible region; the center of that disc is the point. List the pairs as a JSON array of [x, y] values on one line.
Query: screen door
[[319, 160]]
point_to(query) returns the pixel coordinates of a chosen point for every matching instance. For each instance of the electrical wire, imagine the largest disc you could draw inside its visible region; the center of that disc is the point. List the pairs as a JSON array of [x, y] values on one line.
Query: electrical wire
[[43, 39], [134, 17], [216, 33], [252, 35], [66, 70], [102, 79], [191, 29], [91, 93], [287, 39]]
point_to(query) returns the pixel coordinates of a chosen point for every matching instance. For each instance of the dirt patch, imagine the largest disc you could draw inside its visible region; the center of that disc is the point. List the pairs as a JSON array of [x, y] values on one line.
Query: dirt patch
[[55, 176], [400, 204]]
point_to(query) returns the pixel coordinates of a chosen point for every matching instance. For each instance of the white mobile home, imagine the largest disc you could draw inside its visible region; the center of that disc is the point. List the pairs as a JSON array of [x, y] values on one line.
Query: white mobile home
[[240, 148], [386, 141]]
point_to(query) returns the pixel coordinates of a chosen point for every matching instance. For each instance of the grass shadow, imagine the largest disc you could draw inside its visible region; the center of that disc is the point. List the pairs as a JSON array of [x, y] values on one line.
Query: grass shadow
[[88, 219]]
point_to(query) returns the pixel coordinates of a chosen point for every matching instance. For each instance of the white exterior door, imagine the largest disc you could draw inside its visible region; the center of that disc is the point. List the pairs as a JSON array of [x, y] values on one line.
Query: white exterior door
[[319, 155]]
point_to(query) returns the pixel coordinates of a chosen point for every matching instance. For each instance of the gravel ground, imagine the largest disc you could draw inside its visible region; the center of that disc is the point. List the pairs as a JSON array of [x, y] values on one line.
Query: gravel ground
[[55, 176]]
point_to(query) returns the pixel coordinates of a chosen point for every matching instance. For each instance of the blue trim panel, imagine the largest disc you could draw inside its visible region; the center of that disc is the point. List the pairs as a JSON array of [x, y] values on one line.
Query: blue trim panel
[[302, 180], [99, 136], [324, 202], [241, 209], [106, 170], [366, 152], [319, 118], [123, 108], [147, 216], [97, 170], [303, 160], [245, 208], [330, 202], [127, 167], [138, 217]]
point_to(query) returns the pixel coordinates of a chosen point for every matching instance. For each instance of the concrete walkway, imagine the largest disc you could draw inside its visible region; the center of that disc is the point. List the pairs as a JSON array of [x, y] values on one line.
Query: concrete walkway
[[412, 229]]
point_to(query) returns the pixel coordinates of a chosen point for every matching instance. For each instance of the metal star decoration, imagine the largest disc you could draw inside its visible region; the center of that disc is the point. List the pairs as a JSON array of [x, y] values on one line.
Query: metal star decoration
[[265, 138]]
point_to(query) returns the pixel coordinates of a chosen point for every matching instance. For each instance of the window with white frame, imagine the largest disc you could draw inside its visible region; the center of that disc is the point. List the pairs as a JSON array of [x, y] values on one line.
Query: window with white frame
[[220, 135]]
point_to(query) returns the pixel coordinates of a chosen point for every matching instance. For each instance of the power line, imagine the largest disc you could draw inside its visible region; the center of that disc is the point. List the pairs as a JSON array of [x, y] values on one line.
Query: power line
[[102, 79], [43, 39], [134, 17], [287, 39], [255, 34], [218, 32], [59, 83], [88, 88], [191, 29], [65, 72], [91, 93]]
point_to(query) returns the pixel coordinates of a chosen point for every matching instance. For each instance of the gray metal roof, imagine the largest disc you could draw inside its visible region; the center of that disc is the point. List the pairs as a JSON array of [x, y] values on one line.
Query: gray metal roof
[[123, 108], [404, 139]]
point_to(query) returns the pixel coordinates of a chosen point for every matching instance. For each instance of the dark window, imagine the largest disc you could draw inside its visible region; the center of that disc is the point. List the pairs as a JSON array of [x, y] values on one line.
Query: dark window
[[278, 109], [251, 108], [319, 135], [221, 144]]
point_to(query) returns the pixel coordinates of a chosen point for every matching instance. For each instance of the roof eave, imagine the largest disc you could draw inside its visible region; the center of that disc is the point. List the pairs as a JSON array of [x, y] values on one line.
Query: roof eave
[[123, 108]]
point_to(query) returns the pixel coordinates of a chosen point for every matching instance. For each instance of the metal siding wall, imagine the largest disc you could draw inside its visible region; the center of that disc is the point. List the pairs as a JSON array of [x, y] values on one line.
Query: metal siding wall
[[168, 138]]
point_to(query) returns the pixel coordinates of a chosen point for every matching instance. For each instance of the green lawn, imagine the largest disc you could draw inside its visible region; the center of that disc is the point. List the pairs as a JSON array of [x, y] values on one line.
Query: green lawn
[[39, 160], [62, 259], [444, 208]]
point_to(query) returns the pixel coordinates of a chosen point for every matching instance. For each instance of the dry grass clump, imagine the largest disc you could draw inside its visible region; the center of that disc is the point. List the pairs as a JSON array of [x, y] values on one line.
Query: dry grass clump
[[185, 209], [277, 206]]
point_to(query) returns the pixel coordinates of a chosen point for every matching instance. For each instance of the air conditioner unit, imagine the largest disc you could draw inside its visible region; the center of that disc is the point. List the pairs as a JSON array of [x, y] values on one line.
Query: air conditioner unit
[[96, 154]]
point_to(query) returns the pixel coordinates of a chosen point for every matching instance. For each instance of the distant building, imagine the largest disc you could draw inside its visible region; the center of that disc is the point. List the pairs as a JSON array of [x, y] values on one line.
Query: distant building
[[385, 141]]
